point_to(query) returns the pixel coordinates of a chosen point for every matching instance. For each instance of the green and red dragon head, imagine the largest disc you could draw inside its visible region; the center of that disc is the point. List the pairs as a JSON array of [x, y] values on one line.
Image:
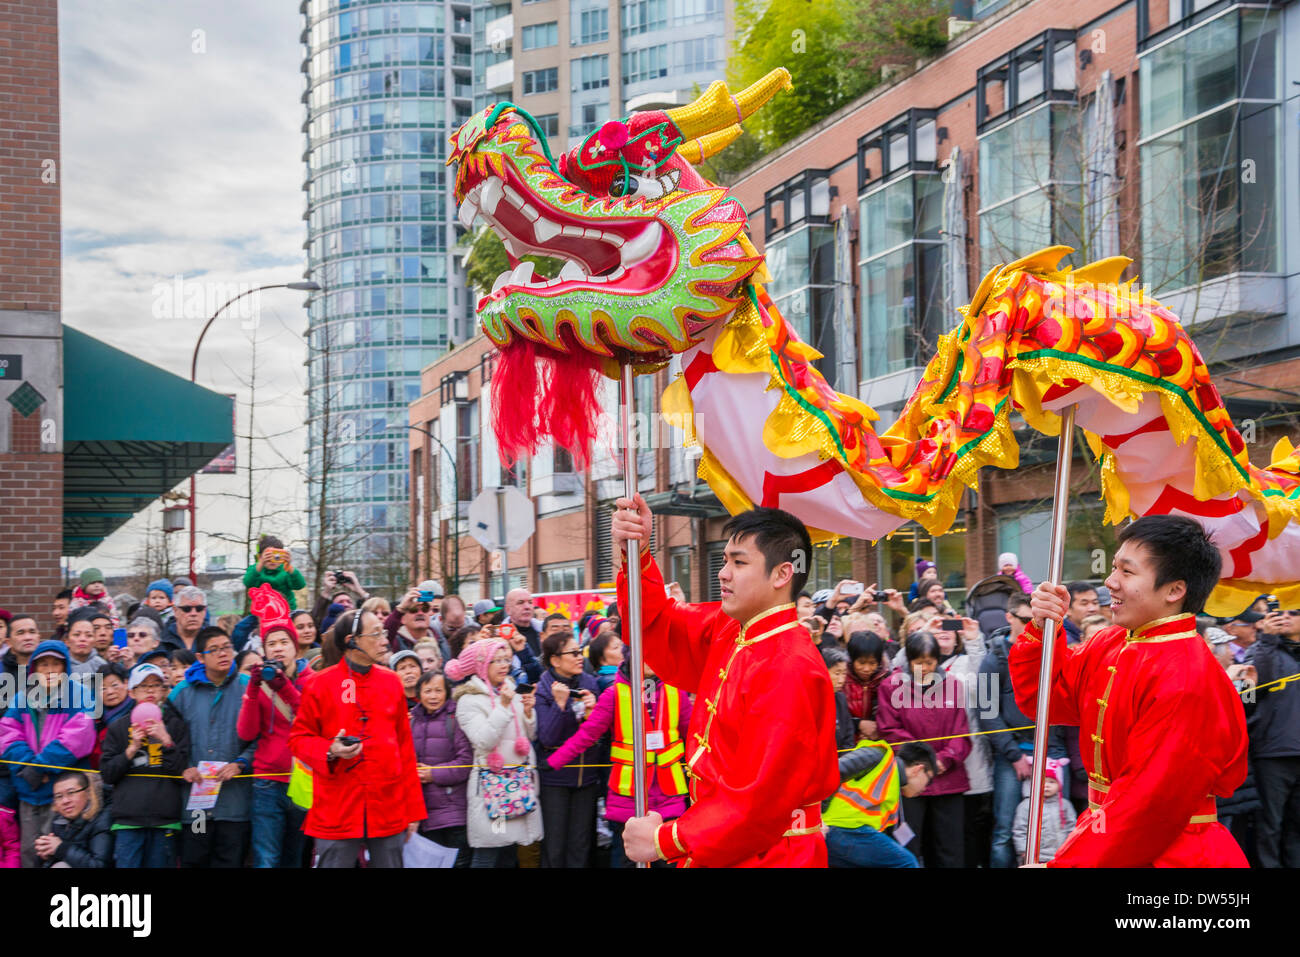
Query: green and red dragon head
[[654, 254]]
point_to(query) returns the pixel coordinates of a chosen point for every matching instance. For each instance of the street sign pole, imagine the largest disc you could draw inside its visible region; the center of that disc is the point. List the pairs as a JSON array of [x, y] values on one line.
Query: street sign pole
[[501, 537]]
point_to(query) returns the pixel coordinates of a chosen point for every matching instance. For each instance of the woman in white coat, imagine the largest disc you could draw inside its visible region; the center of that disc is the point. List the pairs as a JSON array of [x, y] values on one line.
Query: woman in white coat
[[500, 725]]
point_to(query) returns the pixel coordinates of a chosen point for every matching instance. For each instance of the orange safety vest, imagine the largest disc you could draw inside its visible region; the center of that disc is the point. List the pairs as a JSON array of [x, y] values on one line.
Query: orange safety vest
[[671, 778], [870, 798]]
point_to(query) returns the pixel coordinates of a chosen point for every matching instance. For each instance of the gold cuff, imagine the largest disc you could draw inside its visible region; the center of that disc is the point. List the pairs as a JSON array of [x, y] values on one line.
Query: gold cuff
[[676, 839], [659, 850]]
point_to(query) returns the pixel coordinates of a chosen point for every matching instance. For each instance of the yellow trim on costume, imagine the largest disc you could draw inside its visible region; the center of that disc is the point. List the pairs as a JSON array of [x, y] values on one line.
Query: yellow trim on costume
[[765, 613], [676, 840], [659, 850], [1145, 629]]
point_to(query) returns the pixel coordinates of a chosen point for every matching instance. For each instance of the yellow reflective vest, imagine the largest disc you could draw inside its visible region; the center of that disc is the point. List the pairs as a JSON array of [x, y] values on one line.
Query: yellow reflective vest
[[870, 798], [667, 760]]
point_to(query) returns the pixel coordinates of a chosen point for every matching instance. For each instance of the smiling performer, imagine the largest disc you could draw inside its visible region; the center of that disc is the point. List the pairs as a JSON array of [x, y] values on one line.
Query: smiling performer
[[761, 749], [1162, 729]]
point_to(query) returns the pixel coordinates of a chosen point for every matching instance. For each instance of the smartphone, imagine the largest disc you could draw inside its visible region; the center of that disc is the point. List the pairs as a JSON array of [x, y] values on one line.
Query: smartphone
[[951, 624], [853, 588], [523, 688], [119, 637], [427, 596], [347, 740]]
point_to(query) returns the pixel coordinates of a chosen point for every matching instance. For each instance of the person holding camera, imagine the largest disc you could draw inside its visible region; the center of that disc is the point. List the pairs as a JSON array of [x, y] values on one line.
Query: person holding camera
[[1275, 737], [566, 696], [342, 589], [353, 731], [412, 620], [266, 715], [274, 567]]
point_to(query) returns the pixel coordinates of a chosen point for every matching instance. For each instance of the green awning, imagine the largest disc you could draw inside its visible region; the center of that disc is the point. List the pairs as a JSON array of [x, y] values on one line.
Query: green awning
[[131, 432]]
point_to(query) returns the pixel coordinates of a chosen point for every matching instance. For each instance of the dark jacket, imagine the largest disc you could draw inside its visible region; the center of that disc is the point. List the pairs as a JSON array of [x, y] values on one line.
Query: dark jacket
[[85, 843], [439, 740], [1011, 746], [1275, 725], [212, 714], [139, 799], [554, 727], [171, 639], [845, 727]]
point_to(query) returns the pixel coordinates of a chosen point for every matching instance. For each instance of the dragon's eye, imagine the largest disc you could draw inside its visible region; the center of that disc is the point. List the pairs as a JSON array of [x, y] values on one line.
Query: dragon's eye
[[641, 186]]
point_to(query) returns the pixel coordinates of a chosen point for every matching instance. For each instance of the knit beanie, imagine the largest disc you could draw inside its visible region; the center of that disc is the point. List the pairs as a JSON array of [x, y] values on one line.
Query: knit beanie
[[90, 576], [162, 585], [1008, 558], [474, 660]]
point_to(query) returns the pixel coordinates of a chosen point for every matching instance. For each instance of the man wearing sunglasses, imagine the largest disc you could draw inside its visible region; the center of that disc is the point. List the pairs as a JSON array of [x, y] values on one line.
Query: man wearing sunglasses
[[190, 615], [1012, 750], [209, 699], [1275, 739]]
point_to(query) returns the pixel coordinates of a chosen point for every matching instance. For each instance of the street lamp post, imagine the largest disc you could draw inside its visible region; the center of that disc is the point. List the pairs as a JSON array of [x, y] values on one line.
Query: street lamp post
[[455, 517], [194, 366]]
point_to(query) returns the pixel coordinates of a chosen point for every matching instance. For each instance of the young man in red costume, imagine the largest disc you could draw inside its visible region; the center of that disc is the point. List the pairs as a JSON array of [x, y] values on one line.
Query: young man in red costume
[[1161, 727], [761, 749]]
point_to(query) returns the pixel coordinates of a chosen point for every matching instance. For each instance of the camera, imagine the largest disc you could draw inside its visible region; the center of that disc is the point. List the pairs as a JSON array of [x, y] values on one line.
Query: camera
[[270, 668], [428, 597], [1273, 604], [340, 577], [523, 688], [951, 624], [880, 596]]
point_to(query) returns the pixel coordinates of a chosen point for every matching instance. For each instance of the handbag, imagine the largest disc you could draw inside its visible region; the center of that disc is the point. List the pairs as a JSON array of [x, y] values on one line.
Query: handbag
[[508, 793]]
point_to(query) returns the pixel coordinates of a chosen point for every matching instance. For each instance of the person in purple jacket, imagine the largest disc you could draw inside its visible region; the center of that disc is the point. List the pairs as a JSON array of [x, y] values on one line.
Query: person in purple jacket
[[921, 702], [620, 808], [47, 726], [443, 755], [566, 696]]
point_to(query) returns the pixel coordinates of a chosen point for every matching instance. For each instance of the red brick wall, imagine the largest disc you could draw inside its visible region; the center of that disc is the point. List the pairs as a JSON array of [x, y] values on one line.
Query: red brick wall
[[29, 136], [31, 499]]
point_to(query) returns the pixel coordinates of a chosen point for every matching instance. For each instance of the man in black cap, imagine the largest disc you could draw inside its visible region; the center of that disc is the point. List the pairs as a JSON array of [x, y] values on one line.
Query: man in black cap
[[1244, 629]]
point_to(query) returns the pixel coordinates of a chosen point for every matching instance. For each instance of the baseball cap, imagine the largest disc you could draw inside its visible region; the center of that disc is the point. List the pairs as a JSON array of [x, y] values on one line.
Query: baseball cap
[[485, 606], [1217, 636], [1247, 617], [1103, 596], [430, 585], [142, 672], [400, 656]]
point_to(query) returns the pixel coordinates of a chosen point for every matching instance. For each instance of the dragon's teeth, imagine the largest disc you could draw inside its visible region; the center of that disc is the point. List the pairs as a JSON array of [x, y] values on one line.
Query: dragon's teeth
[[640, 248], [618, 273], [522, 275], [529, 213], [571, 230], [501, 281], [468, 210], [571, 271], [614, 239], [510, 194], [493, 190], [544, 231]]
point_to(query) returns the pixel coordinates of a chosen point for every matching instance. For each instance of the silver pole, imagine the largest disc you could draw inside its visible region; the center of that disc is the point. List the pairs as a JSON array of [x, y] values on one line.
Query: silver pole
[[501, 537], [632, 614], [1055, 563]]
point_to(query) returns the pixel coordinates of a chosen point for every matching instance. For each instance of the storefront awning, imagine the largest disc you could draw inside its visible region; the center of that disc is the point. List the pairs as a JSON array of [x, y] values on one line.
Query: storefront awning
[[700, 502], [131, 432]]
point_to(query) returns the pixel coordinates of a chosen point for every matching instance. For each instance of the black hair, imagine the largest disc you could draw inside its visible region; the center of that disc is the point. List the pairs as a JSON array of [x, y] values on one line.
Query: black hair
[[921, 644], [917, 752], [586, 617], [1017, 600], [66, 593], [597, 646], [552, 644], [161, 652], [803, 594], [456, 640], [1182, 552], [206, 634], [182, 656], [21, 617], [345, 627], [427, 676], [268, 541], [779, 536], [866, 644], [554, 616], [920, 604], [1078, 588], [243, 656], [114, 668], [84, 613]]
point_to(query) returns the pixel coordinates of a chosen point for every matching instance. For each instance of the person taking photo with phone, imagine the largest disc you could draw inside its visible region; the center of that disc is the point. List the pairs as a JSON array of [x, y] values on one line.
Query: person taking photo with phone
[[353, 731]]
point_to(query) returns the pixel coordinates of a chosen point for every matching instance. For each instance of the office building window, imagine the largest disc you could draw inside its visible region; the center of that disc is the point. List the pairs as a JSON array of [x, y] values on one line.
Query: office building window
[[642, 16], [535, 36], [698, 55], [687, 12], [1210, 151], [562, 578], [1039, 71], [589, 25], [467, 450], [541, 81], [592, 72], [679, 569], [549, 122], [648, 64]]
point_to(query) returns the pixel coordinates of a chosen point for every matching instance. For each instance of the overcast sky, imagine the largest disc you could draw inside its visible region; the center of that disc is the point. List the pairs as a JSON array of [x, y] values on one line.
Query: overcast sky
[[182, 154]]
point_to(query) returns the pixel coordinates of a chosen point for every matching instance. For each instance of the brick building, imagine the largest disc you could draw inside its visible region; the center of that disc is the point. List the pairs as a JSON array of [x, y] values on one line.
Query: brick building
[[1154, 130], [79, 454]]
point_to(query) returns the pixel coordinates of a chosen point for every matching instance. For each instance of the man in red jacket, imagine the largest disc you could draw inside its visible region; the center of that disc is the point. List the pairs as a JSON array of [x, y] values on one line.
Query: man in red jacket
[[354, 732], [761, 755], [1161, 725]]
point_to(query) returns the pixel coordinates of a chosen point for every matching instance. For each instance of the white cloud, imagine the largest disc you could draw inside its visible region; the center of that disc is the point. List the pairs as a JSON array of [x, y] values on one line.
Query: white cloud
[[176, 161]]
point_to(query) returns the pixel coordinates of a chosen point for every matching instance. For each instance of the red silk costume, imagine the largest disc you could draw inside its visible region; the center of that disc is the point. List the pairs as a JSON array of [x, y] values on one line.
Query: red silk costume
[[1162, 731], [761, 749]]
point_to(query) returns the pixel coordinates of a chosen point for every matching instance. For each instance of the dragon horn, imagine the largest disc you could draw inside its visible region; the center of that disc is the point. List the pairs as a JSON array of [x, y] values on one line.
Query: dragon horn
[[698, 150], [717, 108]]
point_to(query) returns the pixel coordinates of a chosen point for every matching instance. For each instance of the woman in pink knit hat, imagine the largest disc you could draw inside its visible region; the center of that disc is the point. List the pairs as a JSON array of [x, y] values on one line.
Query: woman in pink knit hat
[[501, 809]]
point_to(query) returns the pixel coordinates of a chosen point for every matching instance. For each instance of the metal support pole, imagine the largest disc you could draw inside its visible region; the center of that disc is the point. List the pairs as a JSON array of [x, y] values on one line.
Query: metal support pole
[[632, 614], [1055, 565], [501, 537]]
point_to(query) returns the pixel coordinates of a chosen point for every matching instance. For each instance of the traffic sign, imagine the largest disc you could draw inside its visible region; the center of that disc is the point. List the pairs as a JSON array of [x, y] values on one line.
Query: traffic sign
[[501, 517]]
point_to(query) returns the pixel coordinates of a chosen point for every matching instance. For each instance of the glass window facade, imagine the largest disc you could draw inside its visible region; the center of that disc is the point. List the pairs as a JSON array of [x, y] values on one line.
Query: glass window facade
[[540, 81], [561, 578], [1211, 151], [1030, 184], [380, 234], [590, 23], [900, 273], [537, 36]]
